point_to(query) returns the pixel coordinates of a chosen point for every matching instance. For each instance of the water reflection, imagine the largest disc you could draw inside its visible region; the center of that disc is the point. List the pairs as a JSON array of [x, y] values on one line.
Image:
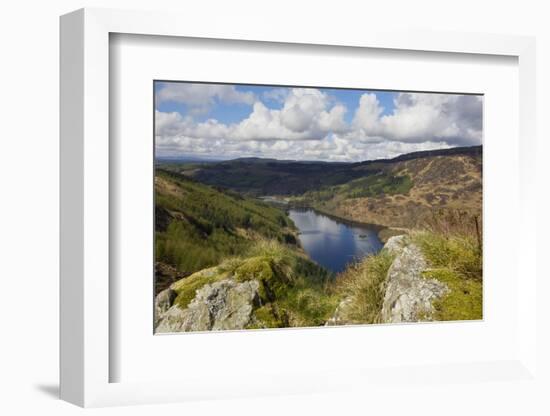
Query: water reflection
[[331, 243]]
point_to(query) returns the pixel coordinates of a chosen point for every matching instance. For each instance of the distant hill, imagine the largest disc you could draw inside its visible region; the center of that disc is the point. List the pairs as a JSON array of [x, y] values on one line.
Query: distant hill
[[408, 191], [474, 151], [401, 192], [257, 176]]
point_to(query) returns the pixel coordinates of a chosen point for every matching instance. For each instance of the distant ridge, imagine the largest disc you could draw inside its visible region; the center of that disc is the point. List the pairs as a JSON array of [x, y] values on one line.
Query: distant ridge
[[282, 161], [474, 151], [453, 151]]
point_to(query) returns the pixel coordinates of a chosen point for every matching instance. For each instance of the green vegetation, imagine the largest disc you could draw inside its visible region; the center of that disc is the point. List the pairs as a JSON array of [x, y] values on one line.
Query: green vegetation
[[463, 302], [459, 254], [378, 184], [257, 176], [293, 289], [197, 226], [363, 284], [455, 260], [187, 287], [267, 176], [206, 233]]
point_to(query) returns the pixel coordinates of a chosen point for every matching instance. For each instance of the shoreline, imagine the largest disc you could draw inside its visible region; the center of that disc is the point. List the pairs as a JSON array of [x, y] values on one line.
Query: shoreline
[[378, 228]]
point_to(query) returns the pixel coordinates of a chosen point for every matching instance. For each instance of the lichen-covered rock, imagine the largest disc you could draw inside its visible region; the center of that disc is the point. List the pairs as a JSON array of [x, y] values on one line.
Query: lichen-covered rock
[[395, 244], [223, 305], [163, 302], [409, 296]]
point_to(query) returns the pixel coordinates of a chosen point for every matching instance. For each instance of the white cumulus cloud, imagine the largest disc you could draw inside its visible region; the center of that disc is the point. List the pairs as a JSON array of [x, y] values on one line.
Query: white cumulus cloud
[[307, 114], [201, 97], [309, 124], [420, 117]]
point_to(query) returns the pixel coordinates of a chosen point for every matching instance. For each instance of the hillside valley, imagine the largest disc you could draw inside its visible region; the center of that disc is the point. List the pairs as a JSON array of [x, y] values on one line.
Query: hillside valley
[[402, 192], [229, 256]]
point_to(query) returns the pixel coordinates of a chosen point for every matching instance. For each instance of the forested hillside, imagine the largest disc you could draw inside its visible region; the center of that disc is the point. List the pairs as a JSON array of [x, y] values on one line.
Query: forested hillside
[[197, 225]]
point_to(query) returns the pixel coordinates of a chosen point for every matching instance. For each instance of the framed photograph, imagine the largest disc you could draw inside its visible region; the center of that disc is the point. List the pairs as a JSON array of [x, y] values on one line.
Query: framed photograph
[[291, 206], [289, 211]]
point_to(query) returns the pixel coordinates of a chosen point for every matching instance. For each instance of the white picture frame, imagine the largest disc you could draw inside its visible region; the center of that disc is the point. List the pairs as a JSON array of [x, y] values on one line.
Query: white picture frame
[[85, 211]]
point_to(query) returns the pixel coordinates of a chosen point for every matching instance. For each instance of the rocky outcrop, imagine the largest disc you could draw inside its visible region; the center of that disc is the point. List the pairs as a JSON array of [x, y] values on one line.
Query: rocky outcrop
[[163, 302], [395, 245], [222, 305], [409, 296]]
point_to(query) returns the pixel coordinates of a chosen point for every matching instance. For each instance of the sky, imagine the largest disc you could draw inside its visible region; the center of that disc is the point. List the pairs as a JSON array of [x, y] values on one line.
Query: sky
[[224, 121]]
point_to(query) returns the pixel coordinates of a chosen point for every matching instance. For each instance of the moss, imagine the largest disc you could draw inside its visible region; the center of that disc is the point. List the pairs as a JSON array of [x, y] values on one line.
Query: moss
[[259, 268], [464, 300], [277, 268], [266, 317], [186, 288]]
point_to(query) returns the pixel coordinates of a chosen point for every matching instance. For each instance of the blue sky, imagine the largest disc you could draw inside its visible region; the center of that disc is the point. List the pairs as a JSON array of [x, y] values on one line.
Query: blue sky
[[209, 120], [235, 112]]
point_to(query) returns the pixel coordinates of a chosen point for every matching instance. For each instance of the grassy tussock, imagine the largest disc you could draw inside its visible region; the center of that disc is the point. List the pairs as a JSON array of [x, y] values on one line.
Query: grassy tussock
[[455, 260], [365, 283], [457, 254]]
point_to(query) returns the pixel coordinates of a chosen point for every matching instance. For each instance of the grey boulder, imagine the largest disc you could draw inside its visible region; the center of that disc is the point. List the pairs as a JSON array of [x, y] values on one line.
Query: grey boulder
[[222, 305], [409, 296]]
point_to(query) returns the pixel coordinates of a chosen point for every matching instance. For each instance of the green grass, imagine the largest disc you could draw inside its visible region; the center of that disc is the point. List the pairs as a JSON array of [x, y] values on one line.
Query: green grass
[[463, 302], [456, 253], [456, 261], [305, 305], [363, 284]]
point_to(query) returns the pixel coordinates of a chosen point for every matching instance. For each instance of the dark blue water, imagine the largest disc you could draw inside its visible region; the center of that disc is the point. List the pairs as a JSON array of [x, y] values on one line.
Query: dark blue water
[[331, 243]]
